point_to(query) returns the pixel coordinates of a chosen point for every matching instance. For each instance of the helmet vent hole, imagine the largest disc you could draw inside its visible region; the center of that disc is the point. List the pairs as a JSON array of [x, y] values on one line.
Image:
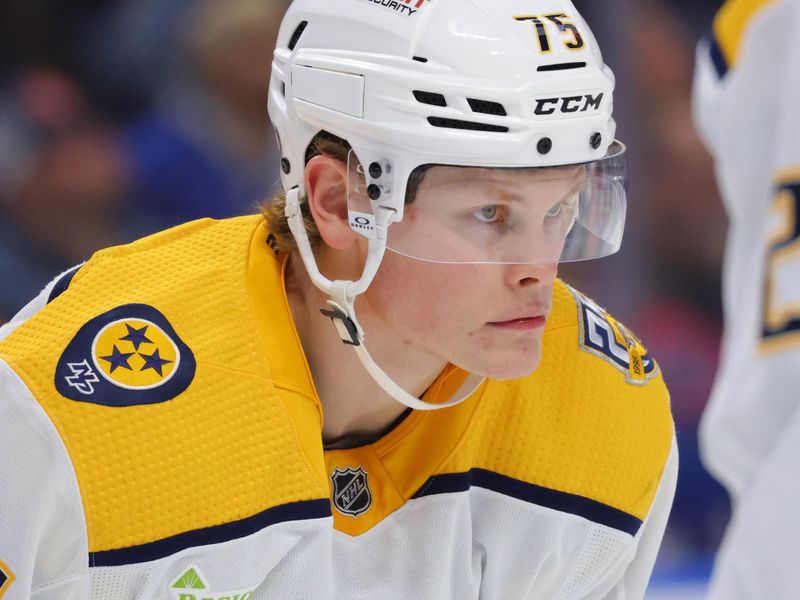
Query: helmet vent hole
[[487, 108], [430, 98], [420, 59], [561, 67], [297, 34], [468, 125]]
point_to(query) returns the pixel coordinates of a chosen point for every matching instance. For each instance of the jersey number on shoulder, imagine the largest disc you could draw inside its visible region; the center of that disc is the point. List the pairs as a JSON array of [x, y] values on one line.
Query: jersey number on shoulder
[[605, 337], [782, 290]]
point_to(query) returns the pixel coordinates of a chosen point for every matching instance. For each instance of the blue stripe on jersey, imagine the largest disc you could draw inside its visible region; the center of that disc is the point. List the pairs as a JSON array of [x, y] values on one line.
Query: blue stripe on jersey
[[592, 510], [62, 284], [717, 58], [298, 511]]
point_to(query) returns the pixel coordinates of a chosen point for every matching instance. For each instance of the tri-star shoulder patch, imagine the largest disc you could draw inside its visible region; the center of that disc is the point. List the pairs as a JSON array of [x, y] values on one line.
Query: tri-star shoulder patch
[[129, 356], [6, 578]]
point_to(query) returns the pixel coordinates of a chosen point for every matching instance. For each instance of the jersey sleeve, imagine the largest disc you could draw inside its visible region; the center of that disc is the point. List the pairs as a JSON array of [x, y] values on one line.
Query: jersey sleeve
[[43, 547], [633, 583]]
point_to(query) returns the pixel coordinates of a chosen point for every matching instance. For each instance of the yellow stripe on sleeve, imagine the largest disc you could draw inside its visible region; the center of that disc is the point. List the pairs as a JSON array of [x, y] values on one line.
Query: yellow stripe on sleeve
[[731, 23]]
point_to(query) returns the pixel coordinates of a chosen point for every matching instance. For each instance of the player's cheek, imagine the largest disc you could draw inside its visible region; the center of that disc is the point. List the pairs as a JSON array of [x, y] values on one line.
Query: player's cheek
[[429, 299], [458, 303]]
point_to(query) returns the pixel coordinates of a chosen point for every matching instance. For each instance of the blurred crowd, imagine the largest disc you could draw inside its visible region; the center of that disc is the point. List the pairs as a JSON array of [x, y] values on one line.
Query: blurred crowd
[[119, 118], [123, 117]]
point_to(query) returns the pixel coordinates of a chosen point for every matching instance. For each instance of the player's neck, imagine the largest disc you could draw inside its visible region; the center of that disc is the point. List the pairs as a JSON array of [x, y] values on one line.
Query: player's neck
[[353, 403]]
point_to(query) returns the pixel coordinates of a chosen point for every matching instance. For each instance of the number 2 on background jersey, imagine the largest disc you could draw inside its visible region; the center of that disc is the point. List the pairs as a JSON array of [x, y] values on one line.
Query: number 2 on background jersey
[[572, 37], [782, 293]]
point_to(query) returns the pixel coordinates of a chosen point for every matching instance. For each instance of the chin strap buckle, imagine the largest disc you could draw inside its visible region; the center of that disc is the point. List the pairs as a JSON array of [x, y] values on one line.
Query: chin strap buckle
[[344, 318], [347, 327]]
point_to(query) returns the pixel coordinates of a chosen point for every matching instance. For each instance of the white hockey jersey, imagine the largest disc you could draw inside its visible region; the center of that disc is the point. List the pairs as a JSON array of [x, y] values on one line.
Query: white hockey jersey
[[162, 439], [747, 106]]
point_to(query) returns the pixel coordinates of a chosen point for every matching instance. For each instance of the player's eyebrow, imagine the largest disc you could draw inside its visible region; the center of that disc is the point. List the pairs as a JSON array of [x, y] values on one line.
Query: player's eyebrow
[[512, 196], [575, 188]]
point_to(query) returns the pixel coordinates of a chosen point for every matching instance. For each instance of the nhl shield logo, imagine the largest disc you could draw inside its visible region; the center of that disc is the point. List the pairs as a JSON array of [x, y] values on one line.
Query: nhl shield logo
[[351, 495]]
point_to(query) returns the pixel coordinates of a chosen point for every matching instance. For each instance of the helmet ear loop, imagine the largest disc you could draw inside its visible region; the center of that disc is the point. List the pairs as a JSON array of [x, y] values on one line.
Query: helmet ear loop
[[296, 220], [342, 293]]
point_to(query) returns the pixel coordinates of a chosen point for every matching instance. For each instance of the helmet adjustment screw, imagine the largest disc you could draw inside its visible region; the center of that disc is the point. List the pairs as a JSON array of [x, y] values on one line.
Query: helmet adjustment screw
[[375, 170], [286, 166], [374, 192], [596, 140], [545, 145]]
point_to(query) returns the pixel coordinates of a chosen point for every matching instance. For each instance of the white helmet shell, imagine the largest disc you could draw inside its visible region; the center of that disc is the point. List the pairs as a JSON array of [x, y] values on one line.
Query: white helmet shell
[[518, 83]]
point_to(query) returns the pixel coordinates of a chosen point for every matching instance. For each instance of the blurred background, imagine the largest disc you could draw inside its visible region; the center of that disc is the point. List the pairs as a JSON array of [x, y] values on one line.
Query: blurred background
[[122, 117]]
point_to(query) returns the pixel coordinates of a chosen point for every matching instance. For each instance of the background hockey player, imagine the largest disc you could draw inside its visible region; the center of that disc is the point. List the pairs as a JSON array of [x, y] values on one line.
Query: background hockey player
[[746, 91]]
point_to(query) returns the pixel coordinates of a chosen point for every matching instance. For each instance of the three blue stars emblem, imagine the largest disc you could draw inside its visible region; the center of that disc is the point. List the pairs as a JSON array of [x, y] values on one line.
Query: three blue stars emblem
[[154, 361], [118, 359], [130, 355], [137, 337]]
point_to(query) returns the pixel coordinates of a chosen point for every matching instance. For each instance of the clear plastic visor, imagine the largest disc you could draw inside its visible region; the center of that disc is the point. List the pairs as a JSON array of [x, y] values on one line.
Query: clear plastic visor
[[502, 215]]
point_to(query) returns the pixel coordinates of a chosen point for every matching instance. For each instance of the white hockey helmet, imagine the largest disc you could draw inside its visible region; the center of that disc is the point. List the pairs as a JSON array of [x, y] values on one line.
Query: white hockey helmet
[[512, 85]]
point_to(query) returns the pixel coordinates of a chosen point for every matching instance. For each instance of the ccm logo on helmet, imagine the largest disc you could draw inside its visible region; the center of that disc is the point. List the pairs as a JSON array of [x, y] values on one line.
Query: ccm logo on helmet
[[568, 104]]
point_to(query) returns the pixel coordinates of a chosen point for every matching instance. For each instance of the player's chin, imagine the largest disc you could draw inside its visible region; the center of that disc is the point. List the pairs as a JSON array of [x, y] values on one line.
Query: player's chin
[[510, 364]]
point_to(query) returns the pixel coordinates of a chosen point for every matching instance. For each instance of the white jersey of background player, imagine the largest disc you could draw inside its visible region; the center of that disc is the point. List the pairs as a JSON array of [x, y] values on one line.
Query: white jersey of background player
[[180, 421], [747, 105]]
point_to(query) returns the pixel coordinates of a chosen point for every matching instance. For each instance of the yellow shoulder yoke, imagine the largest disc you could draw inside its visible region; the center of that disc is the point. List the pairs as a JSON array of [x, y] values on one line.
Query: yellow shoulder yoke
[[224, 449], [577, 425], [732, 22]]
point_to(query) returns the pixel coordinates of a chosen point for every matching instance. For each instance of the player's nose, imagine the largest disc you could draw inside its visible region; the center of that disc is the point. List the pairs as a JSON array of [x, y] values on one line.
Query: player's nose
[[526, 275]]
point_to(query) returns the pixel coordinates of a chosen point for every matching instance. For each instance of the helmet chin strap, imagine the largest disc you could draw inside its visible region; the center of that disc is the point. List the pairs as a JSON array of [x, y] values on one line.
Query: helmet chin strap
[[342, 303]]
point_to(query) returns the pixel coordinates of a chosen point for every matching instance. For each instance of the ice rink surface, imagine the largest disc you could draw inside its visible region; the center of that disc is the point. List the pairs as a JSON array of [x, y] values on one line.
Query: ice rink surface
[[684, 581], [676, 591]]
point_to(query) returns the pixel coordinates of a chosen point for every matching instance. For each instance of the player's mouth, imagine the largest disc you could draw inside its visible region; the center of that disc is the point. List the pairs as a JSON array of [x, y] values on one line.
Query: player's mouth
[[527, 323]]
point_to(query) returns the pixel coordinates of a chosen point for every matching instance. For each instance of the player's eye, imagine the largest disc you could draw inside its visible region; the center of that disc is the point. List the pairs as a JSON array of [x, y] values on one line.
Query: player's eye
[[568, 205], [488, 214], [554, 211]]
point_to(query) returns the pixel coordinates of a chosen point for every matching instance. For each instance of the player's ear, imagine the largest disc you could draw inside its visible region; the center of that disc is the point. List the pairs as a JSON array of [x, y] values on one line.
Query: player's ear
[[326, 186]]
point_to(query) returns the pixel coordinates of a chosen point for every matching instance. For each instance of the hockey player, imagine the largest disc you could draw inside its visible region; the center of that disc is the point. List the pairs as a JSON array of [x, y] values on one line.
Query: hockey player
[[746, 89], [180, 421]]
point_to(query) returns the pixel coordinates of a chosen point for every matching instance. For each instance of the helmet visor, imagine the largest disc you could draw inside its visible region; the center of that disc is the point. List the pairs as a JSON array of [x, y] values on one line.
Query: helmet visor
[[478, 215]]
